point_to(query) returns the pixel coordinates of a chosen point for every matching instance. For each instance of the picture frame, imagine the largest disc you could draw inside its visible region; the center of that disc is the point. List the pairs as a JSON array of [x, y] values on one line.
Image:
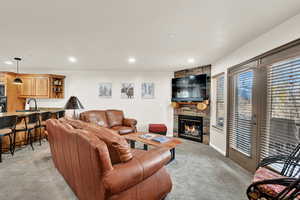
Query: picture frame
[[105, 90], [148, 90], [127, 90]]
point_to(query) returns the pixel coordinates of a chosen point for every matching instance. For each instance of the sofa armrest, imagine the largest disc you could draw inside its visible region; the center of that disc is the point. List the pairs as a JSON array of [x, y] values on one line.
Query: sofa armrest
[[126, 175], [129, 122]]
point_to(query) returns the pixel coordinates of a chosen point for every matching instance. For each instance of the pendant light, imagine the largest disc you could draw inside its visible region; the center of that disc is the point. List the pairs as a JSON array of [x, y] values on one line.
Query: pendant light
[[17, 80]]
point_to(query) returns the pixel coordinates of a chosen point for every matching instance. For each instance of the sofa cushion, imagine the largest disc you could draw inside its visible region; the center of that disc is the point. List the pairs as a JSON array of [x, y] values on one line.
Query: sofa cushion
[[129, 122], [118, 147], [115, 117], [143, 165], [123, 129], [95, 116]]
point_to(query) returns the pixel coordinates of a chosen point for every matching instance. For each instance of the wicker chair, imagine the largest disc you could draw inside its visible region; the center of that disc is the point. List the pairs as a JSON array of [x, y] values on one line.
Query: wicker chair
[[270, 185]]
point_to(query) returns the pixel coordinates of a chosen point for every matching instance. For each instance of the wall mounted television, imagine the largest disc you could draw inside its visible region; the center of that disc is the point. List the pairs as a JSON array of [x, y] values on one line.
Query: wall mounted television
[[189, 89]]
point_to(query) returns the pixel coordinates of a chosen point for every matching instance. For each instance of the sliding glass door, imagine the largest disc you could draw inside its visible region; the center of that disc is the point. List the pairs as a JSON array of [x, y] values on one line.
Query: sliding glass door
[[264, 107], [280, 133], [242, 116]]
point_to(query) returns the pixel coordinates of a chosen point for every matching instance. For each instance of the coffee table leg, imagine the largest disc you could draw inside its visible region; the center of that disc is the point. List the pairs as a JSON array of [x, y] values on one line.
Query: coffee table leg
[[145, 147], [172, 154], [132, 144]]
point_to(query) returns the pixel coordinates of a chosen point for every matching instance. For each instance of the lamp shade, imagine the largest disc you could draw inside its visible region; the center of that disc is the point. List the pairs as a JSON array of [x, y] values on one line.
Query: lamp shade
[[73, 104], [17, 81]]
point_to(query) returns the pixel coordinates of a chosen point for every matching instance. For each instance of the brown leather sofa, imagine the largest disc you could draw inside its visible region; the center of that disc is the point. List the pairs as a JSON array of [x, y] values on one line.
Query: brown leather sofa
[[112, 119], [98, 163]]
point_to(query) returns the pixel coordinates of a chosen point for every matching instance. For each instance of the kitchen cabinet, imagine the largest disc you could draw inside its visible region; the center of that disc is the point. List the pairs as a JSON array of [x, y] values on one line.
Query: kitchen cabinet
[[13, 102], [27, 88], [46, 86], [41, 86]]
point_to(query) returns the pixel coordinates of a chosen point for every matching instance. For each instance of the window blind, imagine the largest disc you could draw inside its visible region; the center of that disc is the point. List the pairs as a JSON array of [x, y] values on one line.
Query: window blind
[[280, 130], [220, 107], [240, 122]]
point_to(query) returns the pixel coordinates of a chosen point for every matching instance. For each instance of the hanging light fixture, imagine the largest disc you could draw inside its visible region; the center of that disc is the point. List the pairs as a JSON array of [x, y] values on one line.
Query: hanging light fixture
[[17, 80]]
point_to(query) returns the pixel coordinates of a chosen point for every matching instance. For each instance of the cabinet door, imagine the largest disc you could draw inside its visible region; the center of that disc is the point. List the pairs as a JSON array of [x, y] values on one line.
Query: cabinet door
[[42, 87], [27, 88]]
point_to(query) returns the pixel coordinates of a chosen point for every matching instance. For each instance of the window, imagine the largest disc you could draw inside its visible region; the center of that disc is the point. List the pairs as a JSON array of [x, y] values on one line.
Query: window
[[281, 131], [220, 108], [242, 109]]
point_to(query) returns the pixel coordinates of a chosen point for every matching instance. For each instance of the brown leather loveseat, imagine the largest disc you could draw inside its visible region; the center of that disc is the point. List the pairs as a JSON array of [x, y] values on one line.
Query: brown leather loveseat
[[98, 164], [112, 119]]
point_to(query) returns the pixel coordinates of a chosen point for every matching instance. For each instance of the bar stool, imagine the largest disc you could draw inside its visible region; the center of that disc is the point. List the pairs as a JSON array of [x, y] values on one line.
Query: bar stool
[[43, 118], [32, 123], [20, 127], [7, 128], [60, 114]]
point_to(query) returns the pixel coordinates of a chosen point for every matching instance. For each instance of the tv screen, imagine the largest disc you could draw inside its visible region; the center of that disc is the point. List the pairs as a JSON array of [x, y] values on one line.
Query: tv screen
[[191, 88]]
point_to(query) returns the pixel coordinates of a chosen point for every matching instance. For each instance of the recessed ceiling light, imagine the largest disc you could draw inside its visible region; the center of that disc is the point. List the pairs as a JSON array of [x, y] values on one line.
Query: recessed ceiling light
[[172, 35], [72, 59], [8, 62], [191, 60], [131, 60]]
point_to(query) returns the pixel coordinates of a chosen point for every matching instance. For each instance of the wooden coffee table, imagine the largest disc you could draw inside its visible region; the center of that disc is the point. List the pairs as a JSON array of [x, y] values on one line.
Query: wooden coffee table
[[171, 145]]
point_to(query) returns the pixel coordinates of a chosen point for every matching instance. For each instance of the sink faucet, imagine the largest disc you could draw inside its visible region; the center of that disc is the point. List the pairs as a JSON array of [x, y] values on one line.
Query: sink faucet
[[35, 103]]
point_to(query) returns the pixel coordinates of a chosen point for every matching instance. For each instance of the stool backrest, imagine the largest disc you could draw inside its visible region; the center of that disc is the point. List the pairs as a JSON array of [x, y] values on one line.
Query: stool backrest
[[8, 122], [60, 114], [33, 118], [45, 116]]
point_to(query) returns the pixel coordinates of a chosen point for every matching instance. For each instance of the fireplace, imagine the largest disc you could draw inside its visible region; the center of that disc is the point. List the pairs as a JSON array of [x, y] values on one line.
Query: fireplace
[[190, 127]]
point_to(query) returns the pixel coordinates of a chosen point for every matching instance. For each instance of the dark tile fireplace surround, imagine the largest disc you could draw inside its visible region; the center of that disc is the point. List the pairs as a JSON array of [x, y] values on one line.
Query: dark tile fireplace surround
[[189, 122]]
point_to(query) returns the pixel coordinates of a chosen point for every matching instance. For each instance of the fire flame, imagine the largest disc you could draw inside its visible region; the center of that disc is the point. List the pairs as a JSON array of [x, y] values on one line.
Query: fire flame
[[190, 129]]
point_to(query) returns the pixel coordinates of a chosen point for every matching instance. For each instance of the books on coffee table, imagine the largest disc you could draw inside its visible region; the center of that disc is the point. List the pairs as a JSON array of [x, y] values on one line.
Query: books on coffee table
[[154, 137], [161, 139], [147, 136]]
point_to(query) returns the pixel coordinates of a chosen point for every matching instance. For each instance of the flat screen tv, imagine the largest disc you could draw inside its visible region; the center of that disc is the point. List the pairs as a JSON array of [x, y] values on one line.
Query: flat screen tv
[[189, 89]]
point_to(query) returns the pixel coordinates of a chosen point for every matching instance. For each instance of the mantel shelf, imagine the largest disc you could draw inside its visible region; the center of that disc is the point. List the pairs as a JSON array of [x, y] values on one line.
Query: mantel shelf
[[202, 105]]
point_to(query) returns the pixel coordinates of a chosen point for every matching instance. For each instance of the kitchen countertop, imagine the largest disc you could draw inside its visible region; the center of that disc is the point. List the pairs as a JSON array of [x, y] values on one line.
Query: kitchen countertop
[[24, 114]]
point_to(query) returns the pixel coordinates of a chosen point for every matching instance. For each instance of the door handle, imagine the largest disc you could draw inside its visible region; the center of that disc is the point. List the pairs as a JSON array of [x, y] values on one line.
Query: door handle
[[254, 122]]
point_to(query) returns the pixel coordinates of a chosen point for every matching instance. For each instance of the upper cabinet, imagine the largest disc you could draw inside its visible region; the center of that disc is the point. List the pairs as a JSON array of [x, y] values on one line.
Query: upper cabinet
[[27, 88], [42, 87], [45, 86]]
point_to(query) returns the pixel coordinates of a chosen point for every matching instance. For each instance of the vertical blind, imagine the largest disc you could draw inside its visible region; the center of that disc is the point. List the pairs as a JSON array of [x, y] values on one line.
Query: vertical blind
[[240, 119], [220, 108], [280, 130]]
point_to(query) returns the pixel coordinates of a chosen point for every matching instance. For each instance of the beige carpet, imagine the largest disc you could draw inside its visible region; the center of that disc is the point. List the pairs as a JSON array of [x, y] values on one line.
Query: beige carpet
[[198, 173]]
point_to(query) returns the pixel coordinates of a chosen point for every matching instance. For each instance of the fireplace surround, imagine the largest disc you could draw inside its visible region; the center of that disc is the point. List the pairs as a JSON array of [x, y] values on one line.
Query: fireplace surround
[[191, 109]]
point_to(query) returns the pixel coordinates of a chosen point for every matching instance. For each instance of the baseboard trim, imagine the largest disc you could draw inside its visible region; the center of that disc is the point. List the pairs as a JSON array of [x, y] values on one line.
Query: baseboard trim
[[217, 149]]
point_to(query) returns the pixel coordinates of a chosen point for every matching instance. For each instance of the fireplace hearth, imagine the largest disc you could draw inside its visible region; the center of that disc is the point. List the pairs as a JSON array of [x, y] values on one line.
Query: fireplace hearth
[[190, 127]]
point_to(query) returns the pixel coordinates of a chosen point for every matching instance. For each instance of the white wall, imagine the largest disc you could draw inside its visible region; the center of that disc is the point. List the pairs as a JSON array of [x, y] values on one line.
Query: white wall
[[279, 35], [84, 85]]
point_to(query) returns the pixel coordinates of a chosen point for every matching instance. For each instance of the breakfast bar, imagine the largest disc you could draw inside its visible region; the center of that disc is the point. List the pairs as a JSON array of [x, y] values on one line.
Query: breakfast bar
[[24, 113], [24, 126]]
